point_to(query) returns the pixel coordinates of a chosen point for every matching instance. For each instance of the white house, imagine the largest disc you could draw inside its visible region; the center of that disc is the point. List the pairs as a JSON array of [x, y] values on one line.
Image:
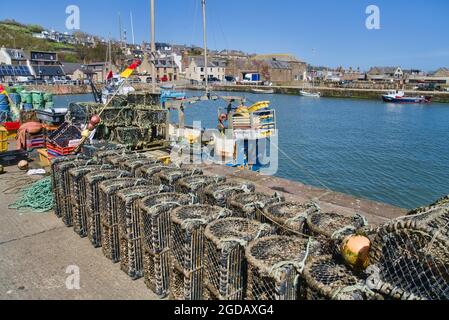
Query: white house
[[196, 70]]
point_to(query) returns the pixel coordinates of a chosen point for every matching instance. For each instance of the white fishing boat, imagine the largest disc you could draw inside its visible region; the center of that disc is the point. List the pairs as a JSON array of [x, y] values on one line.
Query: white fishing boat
[[262, 91], [304, 93]]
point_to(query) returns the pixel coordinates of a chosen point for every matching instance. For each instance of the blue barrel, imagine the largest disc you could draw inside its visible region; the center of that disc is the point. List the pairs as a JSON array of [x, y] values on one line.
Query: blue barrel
[[27, 106], [15, 98]]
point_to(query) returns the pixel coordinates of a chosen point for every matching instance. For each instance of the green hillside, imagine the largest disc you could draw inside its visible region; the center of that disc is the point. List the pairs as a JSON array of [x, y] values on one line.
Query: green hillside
[[18, 35]]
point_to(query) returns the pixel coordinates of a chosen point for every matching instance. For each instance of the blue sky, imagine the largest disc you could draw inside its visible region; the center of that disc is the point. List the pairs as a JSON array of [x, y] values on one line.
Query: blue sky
[[413, 33]]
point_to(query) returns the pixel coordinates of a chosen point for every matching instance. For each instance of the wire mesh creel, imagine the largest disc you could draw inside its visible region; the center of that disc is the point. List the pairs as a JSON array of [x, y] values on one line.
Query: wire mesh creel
[[133, 165], [109, 212], [150, 171], [251, 205], [195, 185], [118, 160], [275, 265], [290, 217], [226, 267], [55, 178], [131, 256], [187, 243], [79, 196], [169, 177], [328, 279], [92, 181], [410, 262], [219, 194], [64, 188], [155, 225]]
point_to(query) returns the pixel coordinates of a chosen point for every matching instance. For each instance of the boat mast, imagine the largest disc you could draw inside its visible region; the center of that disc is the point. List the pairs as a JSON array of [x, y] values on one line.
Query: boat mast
[[205, 47], [153, 50], [132, 28]]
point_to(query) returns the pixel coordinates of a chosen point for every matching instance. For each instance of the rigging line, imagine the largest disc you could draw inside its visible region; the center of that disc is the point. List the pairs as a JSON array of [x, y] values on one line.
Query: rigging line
[[195, 17], [302, 167]]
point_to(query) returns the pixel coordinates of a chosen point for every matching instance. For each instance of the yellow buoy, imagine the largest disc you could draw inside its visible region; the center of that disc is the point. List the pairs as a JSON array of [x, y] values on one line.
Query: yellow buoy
[[355, 251]]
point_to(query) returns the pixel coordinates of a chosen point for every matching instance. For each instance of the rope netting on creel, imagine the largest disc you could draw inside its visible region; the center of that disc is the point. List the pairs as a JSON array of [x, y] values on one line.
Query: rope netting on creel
[[92, 181], [435, 216], [119, 159], [410, 262], [332, 228], [249, 205], [187, 243], [79, 197], [133, 165], [109, 212], [226, 268], [275, 264], [327, 279], [218, 194], [289, 217], [155, 212], [103, 155], [149, 171], [169, 177], [195, 185], [131, 256]]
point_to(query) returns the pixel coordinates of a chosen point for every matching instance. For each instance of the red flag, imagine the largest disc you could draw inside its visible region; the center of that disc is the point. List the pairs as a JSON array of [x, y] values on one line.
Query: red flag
[[110, 75]]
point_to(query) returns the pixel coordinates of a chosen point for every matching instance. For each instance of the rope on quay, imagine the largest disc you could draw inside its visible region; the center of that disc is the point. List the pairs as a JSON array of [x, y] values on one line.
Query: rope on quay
[[37, 198]]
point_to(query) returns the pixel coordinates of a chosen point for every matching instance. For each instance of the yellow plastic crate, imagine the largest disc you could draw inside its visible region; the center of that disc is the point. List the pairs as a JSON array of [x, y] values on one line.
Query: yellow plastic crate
[[3, 139]]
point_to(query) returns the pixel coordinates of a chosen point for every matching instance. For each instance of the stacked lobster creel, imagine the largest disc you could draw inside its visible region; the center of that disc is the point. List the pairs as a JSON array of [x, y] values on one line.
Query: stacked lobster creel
[[195, 185], [131, 237], [92, 181], [329, 279], [275, 266], [64, 188], [133, 165], [109, 212], [226, 265], [410, 260], [290, 217], [120, 159], [169, 178], [56, 177], [188, 257], [219, 194], [155, 227], [149, 171], [79, 195], [251, 205]]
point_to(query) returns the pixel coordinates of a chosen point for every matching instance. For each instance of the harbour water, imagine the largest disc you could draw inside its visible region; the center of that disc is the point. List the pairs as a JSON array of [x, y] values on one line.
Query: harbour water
[[396, 154]]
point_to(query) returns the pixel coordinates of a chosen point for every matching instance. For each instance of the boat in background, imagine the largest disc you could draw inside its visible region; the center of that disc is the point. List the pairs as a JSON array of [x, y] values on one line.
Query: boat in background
[[304, 93], [262, 91], [400, 97]]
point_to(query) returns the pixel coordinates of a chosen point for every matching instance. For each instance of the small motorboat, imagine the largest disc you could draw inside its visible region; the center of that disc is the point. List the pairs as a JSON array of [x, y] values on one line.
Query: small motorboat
[[400, 97], [262, 91], [310, 94]]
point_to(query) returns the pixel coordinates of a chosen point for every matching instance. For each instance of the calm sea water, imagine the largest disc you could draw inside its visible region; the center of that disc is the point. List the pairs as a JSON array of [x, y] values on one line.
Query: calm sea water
[[397, 154]]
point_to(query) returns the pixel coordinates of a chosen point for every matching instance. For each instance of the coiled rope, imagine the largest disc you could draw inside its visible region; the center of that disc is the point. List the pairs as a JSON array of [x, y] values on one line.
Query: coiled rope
[[37, 198]]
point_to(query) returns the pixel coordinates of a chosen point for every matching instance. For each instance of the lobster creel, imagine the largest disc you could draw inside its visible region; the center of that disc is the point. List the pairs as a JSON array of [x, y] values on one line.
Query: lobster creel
[[226, 267], [410, 262], [275, 265], [150, 171], [187, 243], [219, 194], [109, 211], [332, 228], [155, 226], [118, 160], [56, 177], [79, 196], [103, 155], [92, 181], [195, 185], [169, 177], [327, 279], [131, 257], [289, 217], [133, 165], [251, 205], [63, 186]]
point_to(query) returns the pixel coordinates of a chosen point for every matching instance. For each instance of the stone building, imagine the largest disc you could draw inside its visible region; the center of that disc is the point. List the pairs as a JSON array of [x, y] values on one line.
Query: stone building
[[196, 70]]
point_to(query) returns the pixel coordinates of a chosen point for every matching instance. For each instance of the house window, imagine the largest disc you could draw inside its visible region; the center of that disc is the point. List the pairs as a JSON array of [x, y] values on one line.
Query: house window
[[202, 70]]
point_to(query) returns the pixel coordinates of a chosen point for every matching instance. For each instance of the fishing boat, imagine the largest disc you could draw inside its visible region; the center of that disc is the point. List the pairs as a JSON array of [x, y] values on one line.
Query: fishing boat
[[400, 97], [262, 91], [304, 93]]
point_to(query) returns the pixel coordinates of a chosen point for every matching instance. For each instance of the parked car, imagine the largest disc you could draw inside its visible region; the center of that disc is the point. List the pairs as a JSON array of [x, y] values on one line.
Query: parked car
[[212, 79]]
